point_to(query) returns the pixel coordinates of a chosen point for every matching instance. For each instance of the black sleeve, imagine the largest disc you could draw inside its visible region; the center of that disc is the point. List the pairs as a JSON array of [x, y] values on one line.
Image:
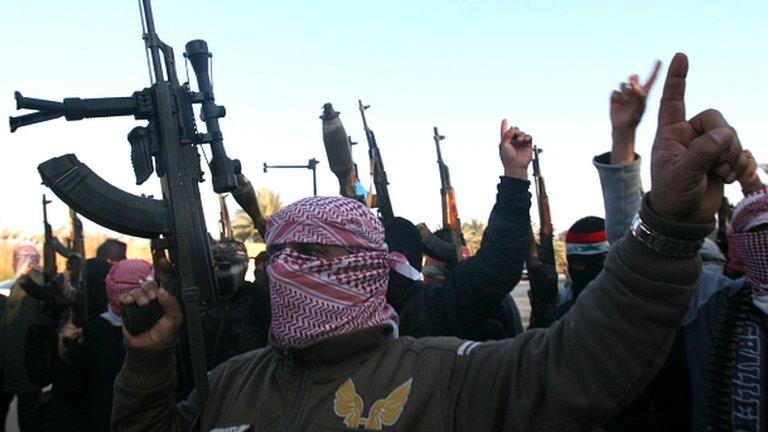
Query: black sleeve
[[476, 287]]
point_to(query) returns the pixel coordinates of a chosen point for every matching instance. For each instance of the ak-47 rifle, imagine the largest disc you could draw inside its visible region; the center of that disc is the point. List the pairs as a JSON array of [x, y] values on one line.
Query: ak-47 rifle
[[77, 266], [542, 271], [381, 200], [54, 286], [52, 246], [74, 250], [338, 148], [451, 220], [176, 223], [49, 245], [225, 224]]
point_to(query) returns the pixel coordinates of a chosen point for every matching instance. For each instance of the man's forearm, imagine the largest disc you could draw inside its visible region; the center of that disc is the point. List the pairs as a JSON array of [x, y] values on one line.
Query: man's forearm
[[480, 283], [600, 355], [506, 241], [622, 193], [623, 148]]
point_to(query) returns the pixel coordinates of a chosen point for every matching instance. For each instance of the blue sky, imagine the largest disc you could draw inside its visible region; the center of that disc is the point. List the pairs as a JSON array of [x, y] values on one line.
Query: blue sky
[[547, 66]]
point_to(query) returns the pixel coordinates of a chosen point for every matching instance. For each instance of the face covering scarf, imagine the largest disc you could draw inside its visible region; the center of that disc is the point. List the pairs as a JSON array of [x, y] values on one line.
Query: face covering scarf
[[315, 298], [751, 247], [23, 255], [124, 277]]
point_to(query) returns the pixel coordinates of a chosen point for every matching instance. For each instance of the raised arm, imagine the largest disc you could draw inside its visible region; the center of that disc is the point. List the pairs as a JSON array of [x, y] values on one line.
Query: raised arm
[[479, 284], [600, 355], [144, 389], [619, 170]]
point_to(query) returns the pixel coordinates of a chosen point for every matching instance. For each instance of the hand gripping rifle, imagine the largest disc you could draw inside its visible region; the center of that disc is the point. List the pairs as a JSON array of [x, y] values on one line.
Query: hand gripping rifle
[[175, 223], [450, 213], [542, 271], [338, 148], [381, 200]]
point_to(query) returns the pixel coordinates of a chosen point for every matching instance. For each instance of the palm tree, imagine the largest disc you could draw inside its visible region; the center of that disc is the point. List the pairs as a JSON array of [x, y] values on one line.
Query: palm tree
[[473, 234], [242, 227], [269, 202], [242, 224]]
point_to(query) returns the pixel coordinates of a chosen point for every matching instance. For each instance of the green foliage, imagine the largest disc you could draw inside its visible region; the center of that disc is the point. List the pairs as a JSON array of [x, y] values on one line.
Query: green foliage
[[269, 202], [473, 234], [242, 225]]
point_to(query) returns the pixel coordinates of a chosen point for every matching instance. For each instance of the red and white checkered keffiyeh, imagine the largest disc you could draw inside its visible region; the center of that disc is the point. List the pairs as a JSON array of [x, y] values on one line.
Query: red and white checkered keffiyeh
[[752, 247], [124, 277], [314, 298], [25, 254]]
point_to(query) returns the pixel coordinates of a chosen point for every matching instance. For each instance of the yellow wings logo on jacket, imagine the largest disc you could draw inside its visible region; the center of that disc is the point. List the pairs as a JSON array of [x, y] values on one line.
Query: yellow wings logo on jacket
[[384, 412]]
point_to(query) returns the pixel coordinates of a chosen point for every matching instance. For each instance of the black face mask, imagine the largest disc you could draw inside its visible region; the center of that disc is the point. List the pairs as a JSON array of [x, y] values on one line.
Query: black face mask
[[583, 270], [229, 277]]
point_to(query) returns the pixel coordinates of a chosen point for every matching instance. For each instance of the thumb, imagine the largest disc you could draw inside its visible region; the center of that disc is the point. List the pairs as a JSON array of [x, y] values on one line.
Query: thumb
[[704, 151], [170, 306]]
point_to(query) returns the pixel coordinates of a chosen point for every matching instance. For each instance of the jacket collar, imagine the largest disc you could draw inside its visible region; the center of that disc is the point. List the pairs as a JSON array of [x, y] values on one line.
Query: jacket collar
[[336, 349]]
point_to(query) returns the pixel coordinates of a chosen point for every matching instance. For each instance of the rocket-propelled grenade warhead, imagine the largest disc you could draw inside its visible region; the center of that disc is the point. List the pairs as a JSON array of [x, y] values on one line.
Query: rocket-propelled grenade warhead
[[336, 142]]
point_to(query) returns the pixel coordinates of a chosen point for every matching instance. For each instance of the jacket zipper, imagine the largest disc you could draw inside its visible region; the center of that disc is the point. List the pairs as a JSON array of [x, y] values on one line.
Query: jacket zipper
[[297, 404]]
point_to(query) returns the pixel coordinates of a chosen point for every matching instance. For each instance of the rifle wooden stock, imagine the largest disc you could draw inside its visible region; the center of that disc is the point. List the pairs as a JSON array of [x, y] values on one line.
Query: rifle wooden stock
[[225, 224], [451, 219], [448, 198], [542, 269], [546, 230]]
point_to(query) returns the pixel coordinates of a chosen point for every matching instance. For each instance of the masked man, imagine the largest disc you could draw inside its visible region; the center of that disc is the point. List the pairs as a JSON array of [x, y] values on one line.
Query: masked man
[[19, 311], [336, 363]]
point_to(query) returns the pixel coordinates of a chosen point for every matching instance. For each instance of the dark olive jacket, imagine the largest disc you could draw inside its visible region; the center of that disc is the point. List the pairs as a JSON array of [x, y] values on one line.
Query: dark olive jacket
[[570, 377]]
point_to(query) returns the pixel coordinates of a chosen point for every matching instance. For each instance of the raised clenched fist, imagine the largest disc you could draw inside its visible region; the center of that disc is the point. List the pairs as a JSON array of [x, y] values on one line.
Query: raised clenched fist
[[164, 330], [515, 150]]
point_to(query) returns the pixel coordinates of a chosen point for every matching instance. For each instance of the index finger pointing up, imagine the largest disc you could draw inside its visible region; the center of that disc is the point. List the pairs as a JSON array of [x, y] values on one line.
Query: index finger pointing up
[[654, 75], [504, 127], [672, 109]]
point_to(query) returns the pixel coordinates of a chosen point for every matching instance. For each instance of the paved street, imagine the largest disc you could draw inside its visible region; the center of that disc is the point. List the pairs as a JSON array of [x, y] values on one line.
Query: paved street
[[520, 295]]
